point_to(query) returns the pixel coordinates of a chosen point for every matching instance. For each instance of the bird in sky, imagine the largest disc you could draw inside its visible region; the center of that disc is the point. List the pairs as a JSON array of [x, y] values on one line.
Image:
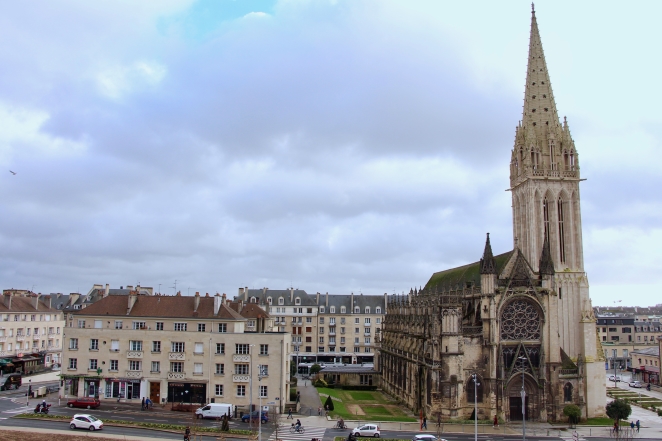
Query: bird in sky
[[12, 172]]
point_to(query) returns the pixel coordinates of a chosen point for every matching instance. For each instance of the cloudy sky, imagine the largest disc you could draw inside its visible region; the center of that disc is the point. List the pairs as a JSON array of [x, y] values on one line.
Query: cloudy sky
[[340, 146]]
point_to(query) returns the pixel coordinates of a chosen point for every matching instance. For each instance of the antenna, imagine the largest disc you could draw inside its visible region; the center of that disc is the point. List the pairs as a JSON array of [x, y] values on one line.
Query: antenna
[[175, 287]]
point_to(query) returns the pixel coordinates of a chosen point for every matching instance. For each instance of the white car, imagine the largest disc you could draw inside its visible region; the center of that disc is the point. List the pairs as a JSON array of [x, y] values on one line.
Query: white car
[[426, 437], [85, 421], [635, 384], [367, 430], [616, 378]]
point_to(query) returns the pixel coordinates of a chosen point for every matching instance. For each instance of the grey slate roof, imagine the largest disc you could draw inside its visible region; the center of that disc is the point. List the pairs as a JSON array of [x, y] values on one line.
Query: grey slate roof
[[338, 300], [289, 296]]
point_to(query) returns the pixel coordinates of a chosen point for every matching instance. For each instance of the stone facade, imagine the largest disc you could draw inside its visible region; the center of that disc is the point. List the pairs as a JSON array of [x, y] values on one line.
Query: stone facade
[[519, 320]]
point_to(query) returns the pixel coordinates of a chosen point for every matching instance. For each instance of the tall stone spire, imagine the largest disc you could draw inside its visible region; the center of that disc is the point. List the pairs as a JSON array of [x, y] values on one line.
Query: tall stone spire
[[539, 105], [487, 262]]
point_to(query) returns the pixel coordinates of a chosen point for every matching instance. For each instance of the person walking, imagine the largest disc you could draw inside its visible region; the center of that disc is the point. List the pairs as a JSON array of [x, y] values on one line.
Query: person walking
[[637, 424], [142, 404], [319, 411], [632, 425], [425, 423], [495, 422], [289, 413]]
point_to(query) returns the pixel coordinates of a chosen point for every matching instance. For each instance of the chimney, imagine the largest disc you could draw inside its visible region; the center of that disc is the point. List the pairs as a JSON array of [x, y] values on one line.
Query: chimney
[[241, 292], [351, 303], [217, 302], [225, 299], [132, 301], [196, 301], [107, 291], [47, 301], [7, 300], [291, 295], [385, 303], [318, 298], [326, 302], [73, 298], [34, 299], [129, 287]]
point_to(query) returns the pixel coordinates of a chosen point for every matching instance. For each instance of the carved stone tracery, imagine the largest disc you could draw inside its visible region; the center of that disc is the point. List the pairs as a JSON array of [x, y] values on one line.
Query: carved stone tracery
[[520, 320]]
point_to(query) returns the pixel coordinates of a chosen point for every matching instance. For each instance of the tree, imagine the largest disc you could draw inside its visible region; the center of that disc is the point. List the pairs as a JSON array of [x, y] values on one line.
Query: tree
[[618, 410], [573, 413], [314, 369], [328, 404]]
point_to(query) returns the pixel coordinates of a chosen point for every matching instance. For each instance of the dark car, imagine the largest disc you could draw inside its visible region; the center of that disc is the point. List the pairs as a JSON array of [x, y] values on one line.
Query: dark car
[[253, 416], [11, 381], [84, 402]]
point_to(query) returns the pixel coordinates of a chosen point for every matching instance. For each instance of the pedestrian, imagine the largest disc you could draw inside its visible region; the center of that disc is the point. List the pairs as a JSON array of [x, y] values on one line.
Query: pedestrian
[[632, 425], [637, 424], [142, 404], [298, 396], [289, 413], [319, 411], [425, 423], [496, 422]]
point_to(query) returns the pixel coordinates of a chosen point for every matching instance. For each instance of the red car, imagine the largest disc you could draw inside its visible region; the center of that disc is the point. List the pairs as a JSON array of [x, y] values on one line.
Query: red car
[[84, 402]]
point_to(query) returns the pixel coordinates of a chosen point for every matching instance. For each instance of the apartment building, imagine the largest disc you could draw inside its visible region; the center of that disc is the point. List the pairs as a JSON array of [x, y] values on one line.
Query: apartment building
[[325, 327], [646, 364], [175, 349], [622, 333], [31, 332]]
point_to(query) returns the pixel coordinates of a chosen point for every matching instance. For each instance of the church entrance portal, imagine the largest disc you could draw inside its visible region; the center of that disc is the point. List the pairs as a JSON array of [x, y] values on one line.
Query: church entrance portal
[[514, 397], [516, 409]]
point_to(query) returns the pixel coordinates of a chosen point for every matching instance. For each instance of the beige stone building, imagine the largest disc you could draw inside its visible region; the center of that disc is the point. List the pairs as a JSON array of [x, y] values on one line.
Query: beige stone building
[[31, 332], [519, 320], [175, 349]]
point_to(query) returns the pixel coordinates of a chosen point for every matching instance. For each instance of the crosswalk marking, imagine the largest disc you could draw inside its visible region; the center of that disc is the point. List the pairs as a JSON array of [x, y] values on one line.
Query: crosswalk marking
[[15, 411], [309, 433]]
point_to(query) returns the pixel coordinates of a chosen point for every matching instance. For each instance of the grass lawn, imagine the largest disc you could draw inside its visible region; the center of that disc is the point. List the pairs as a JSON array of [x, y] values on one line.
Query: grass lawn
[[375, 410], [373, 404], [602, 422], [373, 397]]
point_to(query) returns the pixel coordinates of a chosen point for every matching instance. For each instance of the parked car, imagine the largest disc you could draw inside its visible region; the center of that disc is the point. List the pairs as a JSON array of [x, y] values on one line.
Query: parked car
[[214, 410], [635, 383], [84, 403], [11, 381], [84, 421], [253, 415], [426, 437], [616, 378], [367, 430]]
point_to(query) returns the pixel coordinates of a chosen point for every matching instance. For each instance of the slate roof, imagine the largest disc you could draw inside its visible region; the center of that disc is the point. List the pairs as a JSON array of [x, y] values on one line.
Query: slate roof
[[160, 306], [653, 351], [466, 273], [345, 300], [261, 295], [348, 369]]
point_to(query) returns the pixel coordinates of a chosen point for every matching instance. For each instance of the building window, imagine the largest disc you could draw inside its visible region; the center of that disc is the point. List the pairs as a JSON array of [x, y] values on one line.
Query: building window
[[159, 326], [321, 340], [177, 346], [156, 366], [281, 301], [269, 301], [180, 326], [94, 344], [222, 327], [263, 391], [176, 366], [139, 325], [118, 324], [332, 349], [219, 390], [357, 310], [241, 390], [220, 369], [297, 301], [220, 348], [241, 348], [357, 321], [264, 349], [378, 310], [367, 340], [321, 310], [332, 310], [365, 380], [250, 323], [474, 392], [263, 370], [378, 320], [197, 368], [342, 348], [199, 349], [113, 365], [73, 363], [135, 365], [343, 310], [136, 345], [73, 343], [321, 320], [201, 327], [241, 369], [156, 346], [81, 323], [93, 364]]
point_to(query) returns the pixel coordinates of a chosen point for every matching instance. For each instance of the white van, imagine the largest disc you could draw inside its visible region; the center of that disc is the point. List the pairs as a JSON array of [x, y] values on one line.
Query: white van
[[214, 410]]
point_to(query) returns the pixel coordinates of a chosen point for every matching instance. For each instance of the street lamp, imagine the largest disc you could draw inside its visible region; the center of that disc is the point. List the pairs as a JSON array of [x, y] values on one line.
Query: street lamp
[[476, 384], [523, 394], [260, 374]]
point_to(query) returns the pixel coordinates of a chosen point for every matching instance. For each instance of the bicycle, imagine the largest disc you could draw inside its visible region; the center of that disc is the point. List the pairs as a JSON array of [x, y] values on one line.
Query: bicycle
[[295, 429], [340, 425]]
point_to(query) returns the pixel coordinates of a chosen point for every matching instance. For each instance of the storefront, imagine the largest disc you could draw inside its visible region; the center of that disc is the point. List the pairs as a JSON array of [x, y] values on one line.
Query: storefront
[[122, 388], [187, 393], [91, 387], [79, 385]]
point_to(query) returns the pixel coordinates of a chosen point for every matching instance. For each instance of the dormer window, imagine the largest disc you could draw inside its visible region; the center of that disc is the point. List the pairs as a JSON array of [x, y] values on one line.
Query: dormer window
[[269, 300], [322, 309], [343, 310], [281, 301], [332, 310], [253, 300], [297, 301], [367, 310], [378, 310], [357, 310]]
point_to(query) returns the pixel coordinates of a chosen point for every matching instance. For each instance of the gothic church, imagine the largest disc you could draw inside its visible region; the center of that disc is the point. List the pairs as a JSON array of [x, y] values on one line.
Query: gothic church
[[521, 320]]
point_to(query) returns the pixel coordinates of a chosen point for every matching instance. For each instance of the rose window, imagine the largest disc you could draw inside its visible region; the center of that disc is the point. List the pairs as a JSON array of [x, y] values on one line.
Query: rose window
[[520, 321]]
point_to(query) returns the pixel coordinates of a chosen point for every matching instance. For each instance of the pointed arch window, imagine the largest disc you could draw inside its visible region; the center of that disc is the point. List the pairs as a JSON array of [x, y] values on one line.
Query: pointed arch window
[[561, 231], [567, 392], [545, 218], [474, 393]]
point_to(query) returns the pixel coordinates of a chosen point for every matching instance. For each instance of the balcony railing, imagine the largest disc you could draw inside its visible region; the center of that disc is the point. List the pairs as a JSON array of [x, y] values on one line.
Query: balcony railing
[[134, 374], [134, 354], [20, 337], [241, 358], [3, 339], [241, 378], [176, 356], [176, 375]]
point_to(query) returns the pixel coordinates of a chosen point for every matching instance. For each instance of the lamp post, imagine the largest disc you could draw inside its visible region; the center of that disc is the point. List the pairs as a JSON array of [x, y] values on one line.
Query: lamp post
[[250, 385], [476, 384], [523, 394], [260, 374]]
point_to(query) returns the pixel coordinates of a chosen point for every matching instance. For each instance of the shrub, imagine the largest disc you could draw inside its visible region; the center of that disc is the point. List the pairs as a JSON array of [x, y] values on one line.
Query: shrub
[[573, 413], [328, 404], [659, 413], [618, 410], [320, 383]]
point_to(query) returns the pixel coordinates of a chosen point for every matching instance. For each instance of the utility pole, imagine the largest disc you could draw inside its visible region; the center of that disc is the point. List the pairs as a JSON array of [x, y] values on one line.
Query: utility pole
[[523, 394], [476, 384]]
